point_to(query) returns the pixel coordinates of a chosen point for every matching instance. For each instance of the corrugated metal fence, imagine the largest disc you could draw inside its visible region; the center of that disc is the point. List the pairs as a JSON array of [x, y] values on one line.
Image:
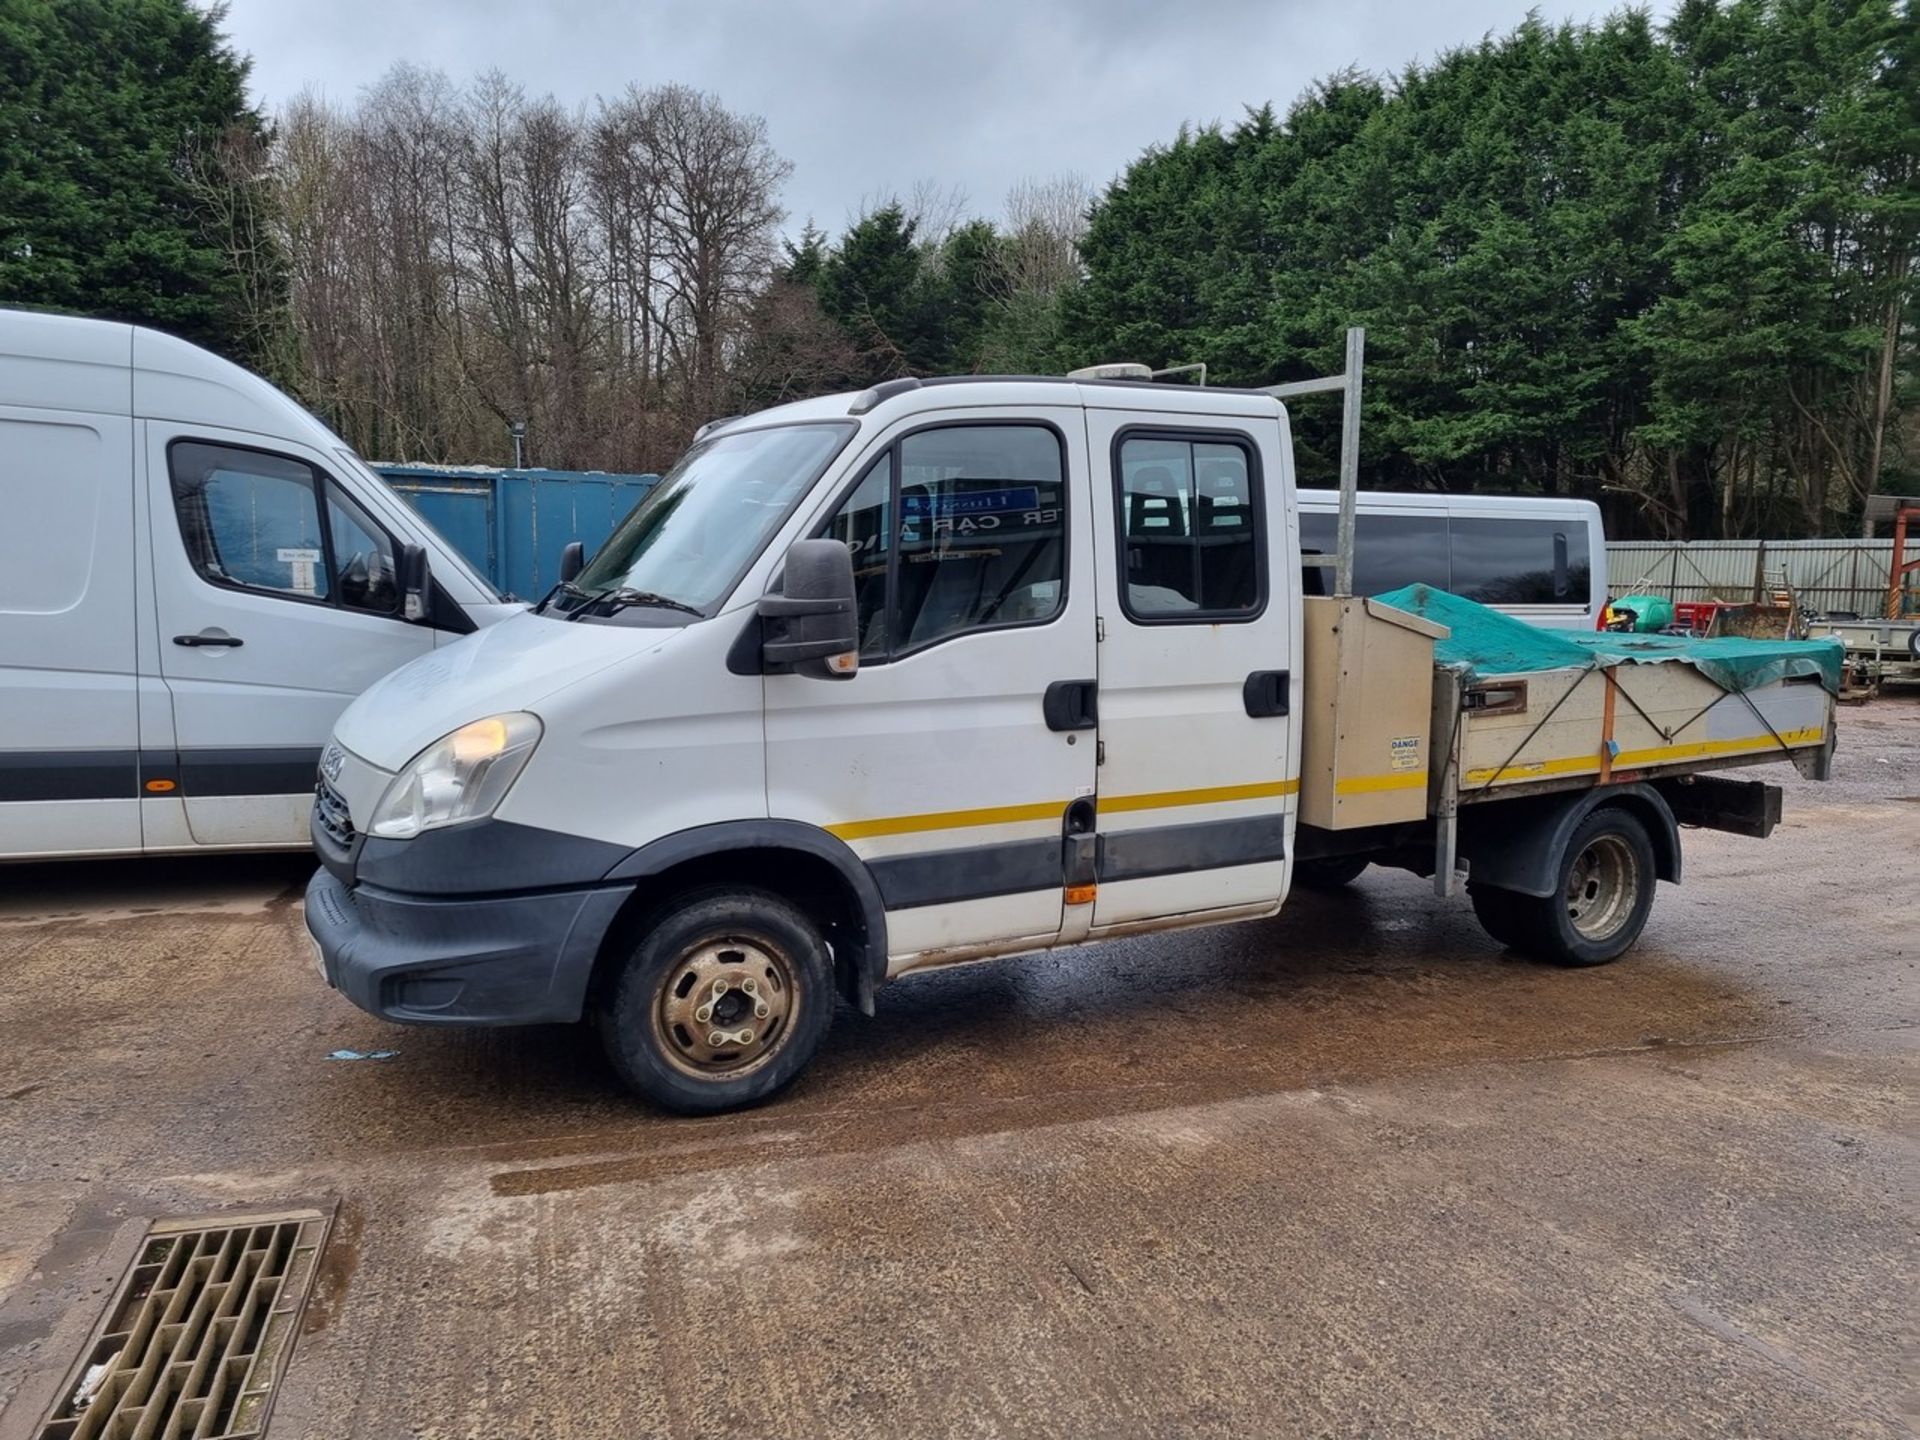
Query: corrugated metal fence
[[513, 524], [1826, 575]]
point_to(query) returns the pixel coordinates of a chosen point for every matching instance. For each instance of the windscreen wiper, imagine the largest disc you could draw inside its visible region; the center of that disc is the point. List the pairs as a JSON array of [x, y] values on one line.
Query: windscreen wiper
[[565, 587], [616, 600]]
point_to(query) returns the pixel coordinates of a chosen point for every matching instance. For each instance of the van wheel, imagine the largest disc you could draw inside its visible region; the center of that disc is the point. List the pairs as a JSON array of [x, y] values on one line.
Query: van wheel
[[1603, 895], [722, 1002], [1330, 874]]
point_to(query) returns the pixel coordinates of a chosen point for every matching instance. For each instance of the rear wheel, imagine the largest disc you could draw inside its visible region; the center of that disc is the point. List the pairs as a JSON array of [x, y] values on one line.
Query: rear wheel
[[1329, 874], [721, 1004], [1602, 898]]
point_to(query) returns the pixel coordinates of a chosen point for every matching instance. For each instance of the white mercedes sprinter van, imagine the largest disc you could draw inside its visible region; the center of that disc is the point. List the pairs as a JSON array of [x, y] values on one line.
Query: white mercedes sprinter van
[[195, 577]]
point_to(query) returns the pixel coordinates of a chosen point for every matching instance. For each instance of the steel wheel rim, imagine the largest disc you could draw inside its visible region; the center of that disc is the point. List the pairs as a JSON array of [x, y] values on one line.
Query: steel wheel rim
[[1603, 886], [726, 1007]]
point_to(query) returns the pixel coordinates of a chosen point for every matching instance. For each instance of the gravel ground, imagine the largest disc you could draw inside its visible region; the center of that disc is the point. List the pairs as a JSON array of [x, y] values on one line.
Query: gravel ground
[[1352, 1171]]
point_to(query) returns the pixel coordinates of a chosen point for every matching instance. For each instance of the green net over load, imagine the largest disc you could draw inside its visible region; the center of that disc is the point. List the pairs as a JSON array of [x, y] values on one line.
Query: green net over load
[[1485, 643]]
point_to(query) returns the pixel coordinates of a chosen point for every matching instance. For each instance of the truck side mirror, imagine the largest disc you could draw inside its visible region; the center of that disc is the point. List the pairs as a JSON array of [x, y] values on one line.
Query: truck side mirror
[[811, 627], [573, 560], [416, 582]]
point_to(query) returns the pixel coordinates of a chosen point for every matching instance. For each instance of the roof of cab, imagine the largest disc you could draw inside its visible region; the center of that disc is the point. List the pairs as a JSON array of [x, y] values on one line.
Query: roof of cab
[[951, 392]]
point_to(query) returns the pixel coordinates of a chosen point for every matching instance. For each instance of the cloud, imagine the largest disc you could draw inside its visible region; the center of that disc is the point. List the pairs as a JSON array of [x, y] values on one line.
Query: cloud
[[871, 97]]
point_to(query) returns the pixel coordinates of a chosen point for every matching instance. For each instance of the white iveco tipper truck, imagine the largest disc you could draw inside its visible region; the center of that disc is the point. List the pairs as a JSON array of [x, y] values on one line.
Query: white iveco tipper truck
[[954, 669]]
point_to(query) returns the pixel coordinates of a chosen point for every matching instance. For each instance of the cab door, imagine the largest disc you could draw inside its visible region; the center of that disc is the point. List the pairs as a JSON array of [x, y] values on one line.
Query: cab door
[[960, 756], [1199, 784], [278, 601]]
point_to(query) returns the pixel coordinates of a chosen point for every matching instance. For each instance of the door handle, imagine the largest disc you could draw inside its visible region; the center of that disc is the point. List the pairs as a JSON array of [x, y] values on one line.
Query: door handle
[[1265, 693], [1071, 705], [216, 638]]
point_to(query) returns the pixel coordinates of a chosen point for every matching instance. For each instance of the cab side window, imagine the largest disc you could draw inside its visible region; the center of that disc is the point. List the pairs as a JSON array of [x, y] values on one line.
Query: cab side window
[[862, 524], [956, 529], [1191, 542], [252, 520], [363, 556]]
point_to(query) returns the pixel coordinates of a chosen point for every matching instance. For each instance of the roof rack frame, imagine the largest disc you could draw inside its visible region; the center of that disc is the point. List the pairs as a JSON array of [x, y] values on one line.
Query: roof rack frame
[[1348, 383]]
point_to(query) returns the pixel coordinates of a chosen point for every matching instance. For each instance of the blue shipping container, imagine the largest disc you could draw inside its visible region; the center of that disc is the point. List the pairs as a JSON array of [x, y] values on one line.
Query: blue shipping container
[[513, 524]]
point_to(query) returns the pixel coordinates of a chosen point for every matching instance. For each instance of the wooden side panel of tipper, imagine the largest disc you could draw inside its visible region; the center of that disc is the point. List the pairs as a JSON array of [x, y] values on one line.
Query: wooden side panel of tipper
[[1365, 729], [1573, 726]]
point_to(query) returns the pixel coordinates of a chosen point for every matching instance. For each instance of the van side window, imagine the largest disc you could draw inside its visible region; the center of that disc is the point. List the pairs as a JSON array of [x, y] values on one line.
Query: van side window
[[1191, 541], [955, 529], [1388, 551], [253, 521], [363, 557], [1496, 560], [1521, 562]]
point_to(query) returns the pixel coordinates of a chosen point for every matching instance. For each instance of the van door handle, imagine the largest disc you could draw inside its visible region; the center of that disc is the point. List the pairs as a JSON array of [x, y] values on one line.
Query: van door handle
[[1071, 705], [1265, 693], [218, 638]]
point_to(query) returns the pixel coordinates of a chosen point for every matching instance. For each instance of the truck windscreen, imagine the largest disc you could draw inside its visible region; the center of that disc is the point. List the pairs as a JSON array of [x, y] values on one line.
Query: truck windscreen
[[695, 533]]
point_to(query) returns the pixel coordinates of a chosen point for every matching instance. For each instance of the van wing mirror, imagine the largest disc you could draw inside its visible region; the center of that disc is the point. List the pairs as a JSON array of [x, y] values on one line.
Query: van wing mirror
[[811, 626], [573, 560], [416, 582]]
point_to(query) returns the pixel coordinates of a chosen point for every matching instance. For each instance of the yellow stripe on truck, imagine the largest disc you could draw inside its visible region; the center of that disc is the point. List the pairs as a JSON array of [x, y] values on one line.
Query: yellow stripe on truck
[[947, 820], [1211, 795], [1374, 784], [1661, 755], [1053, 810]]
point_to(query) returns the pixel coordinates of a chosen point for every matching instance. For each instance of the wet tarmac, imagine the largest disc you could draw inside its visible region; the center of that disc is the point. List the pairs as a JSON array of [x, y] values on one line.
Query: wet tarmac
[[1352, 1171]]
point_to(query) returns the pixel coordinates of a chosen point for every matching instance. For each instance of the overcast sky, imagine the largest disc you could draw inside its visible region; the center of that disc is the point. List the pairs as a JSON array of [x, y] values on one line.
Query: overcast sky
[[871, 97]]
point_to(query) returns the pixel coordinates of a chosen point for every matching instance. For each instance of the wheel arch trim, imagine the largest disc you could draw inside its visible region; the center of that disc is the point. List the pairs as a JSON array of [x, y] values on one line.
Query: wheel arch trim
[[707, 841], [1509, 850]]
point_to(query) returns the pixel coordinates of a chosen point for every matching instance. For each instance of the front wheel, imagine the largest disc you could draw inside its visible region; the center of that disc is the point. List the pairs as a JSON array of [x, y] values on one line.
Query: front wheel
[[1602, 899], [721, 1004]]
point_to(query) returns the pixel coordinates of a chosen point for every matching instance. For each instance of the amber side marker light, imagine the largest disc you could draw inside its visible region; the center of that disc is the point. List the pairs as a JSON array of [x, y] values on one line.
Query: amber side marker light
[[161, 787], [1081, 894]]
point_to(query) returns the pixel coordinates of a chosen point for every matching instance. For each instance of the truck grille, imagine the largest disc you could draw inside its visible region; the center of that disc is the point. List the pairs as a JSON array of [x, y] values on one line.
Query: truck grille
[[331, 810]]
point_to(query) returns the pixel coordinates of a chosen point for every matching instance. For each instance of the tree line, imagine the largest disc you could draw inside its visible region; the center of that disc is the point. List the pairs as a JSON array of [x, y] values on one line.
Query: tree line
[[461, 260], [1670, 269], [1666, 267]]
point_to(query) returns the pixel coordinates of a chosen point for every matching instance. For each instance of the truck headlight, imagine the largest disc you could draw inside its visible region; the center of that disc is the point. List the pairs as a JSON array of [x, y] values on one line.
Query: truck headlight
[[462, 776]]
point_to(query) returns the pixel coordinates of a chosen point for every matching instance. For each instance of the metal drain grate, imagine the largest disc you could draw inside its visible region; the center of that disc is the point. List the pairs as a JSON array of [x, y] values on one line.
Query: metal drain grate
[[197, 1334]]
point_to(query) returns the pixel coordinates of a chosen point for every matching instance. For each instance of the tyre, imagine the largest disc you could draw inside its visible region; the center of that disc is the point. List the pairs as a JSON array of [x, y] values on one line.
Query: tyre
[[1330, 874], [1604, 892], [1502, 914], [722, 1002]]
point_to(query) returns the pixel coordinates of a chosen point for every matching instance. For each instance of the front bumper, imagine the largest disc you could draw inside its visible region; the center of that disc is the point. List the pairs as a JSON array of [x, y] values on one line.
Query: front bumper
[[460, 960]]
